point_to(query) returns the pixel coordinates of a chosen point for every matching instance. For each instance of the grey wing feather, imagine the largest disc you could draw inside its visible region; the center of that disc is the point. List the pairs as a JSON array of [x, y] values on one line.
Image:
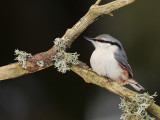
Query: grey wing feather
[[121, 57]]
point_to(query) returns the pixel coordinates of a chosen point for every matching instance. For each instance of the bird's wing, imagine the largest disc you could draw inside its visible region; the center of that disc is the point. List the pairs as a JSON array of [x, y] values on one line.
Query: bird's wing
[[121, 57]]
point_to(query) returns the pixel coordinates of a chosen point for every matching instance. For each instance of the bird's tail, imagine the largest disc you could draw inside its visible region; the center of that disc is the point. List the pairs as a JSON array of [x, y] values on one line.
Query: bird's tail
[[135, 85]]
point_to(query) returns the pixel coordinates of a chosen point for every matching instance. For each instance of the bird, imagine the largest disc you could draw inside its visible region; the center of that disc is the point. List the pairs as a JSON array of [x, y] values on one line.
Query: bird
[[109, 60]]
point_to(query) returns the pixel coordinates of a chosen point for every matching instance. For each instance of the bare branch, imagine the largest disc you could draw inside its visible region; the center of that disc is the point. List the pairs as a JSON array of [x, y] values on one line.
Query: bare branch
[[97, 2], [11, 71]]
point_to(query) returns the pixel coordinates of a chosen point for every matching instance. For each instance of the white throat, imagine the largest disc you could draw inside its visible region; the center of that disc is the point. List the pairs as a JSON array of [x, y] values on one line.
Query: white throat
[[104, 63]]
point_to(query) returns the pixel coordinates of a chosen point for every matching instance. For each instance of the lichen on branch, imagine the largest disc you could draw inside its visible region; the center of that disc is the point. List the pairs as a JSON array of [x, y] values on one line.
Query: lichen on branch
[[22, 57], [62, 59], [136, 109], [40, 63]]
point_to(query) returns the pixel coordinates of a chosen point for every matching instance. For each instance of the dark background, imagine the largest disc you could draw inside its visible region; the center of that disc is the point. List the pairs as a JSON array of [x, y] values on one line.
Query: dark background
[[32, 26]]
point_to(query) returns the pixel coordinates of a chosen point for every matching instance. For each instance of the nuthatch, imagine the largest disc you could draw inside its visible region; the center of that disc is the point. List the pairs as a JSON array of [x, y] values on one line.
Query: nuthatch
[[109, 59]]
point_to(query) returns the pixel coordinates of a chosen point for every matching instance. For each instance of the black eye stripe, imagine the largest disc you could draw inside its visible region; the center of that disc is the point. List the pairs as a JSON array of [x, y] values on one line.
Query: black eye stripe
[[103, 41]]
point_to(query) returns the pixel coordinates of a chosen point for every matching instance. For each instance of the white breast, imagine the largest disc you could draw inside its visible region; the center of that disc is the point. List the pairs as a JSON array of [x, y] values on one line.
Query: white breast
[[103, 63]]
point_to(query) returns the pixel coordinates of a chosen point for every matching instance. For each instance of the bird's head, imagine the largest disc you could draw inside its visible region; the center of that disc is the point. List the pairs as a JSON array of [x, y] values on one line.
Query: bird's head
[[104, 41]]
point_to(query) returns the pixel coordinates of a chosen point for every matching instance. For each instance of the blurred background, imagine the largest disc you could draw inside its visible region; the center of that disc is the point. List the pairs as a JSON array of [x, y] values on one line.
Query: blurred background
[[32, 26]]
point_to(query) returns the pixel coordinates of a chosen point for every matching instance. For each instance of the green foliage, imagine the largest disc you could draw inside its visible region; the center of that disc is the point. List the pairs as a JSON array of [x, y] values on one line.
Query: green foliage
[[22, 57], [136, 109], [62, 59]]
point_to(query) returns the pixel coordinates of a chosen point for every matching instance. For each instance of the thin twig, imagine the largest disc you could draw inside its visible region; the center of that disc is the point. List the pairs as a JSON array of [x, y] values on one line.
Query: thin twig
[[97, 2]]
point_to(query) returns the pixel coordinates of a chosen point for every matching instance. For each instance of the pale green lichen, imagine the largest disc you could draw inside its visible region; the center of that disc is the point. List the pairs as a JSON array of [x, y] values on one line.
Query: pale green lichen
[[136, 109], [62, 59], [22, 57], [40, 63]]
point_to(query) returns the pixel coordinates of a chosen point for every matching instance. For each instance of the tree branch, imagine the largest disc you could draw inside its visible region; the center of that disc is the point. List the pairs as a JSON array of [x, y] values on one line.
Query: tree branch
[[15, 70], [91, 77]]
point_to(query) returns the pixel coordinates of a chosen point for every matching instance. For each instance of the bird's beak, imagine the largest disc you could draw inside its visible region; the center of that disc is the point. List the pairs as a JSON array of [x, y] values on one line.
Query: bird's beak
[[88, 38]]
